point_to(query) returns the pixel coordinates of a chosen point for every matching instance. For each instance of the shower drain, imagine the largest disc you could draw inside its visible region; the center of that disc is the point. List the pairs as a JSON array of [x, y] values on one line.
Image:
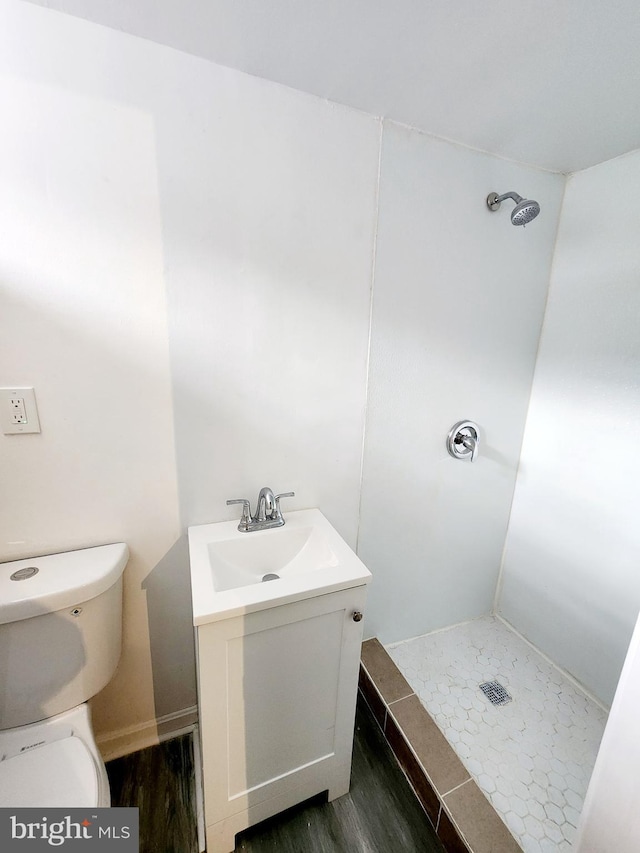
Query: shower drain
[[495, 692]]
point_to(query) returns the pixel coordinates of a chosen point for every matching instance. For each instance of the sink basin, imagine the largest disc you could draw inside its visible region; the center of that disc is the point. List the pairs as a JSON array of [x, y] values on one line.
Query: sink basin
[[234, 573], [245, 561]]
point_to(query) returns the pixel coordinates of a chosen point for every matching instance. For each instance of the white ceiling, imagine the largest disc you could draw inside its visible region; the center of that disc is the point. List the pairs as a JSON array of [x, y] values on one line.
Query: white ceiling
[[555, 83]]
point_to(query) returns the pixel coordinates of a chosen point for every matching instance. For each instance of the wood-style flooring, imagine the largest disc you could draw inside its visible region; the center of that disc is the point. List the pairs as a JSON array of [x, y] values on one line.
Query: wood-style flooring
[[380, 814], [160, 781]]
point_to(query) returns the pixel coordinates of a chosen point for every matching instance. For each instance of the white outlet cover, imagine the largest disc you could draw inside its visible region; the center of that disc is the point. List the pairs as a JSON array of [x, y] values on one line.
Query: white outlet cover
[[31, 410]]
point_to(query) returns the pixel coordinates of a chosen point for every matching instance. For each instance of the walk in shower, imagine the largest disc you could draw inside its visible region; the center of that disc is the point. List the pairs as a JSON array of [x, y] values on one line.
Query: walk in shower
[[530, 740], [505, 586]]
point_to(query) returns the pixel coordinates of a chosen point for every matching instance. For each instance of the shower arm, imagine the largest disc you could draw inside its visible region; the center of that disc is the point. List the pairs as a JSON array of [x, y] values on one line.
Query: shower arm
[[517, 198]]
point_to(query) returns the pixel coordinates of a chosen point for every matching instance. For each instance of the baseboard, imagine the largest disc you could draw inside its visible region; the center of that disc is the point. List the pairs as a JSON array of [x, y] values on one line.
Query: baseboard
[[132, 738]]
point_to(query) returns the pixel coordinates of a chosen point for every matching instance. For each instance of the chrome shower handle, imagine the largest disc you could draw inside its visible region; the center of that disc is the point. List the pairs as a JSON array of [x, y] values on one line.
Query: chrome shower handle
[[463, 440], [470, 443]]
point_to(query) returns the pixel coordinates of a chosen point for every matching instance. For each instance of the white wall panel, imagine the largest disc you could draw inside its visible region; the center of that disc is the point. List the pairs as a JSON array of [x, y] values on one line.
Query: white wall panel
[[269, 214], [152, 200], [83, 320], [459, 296], [570, 582]]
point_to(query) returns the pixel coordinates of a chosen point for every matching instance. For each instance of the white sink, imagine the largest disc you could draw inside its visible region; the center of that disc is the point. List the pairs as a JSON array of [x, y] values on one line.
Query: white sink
[[234, 573]]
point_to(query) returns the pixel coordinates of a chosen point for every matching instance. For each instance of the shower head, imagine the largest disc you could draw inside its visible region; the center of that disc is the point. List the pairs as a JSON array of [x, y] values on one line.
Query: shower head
[[525, 210]]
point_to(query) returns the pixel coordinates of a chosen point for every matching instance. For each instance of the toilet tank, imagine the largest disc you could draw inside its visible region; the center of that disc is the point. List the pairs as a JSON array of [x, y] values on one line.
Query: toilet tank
[[60, 630]]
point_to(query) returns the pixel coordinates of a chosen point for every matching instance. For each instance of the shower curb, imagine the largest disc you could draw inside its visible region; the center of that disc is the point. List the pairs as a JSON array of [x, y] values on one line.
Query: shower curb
[[462, 817]]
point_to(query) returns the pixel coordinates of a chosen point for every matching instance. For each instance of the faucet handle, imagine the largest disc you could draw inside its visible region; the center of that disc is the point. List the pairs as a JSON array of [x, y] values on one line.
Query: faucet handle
[[246, 512], [278, 511]]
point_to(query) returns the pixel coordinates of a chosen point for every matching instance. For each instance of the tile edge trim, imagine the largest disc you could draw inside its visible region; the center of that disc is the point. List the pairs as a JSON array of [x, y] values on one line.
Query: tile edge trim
[[443, 807]]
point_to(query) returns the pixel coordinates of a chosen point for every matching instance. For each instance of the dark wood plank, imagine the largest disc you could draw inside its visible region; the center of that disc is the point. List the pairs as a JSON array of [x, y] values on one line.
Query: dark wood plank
[[160, 782], [380, 814]]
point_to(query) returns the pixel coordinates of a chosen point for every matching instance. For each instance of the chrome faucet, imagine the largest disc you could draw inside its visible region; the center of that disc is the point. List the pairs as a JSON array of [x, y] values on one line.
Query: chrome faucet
[[266, 504], [268, 512]]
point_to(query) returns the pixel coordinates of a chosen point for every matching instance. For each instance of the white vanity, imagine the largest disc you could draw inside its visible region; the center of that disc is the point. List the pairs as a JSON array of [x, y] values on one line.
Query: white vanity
[[277, 615]]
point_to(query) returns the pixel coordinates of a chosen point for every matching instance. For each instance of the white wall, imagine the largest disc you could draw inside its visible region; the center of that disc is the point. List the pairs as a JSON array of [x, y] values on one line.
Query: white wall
[[140, 182], [570, 579], [83, 320], [458, 302], [268, 205], [610, 820]]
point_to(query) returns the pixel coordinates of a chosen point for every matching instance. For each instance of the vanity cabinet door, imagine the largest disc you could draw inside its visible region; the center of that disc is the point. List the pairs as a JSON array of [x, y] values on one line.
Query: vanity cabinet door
[[277, 692]]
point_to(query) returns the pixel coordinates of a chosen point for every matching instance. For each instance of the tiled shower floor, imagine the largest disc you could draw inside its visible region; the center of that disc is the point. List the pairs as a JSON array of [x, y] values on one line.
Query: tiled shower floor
[[532, 757]]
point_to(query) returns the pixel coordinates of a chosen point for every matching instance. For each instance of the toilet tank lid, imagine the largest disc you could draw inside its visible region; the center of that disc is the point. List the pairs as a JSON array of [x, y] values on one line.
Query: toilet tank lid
[[61, 581]]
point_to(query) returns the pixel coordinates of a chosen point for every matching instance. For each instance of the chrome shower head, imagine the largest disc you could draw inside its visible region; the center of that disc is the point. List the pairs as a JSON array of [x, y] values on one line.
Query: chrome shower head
[[525, 210]]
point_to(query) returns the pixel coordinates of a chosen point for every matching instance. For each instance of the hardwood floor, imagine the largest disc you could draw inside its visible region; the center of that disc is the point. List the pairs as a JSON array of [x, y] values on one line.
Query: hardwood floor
[[160, 782], [379, 815]]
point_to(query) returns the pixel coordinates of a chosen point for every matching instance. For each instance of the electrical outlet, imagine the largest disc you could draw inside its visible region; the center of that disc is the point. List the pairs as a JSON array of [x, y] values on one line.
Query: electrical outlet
[[18, 411]]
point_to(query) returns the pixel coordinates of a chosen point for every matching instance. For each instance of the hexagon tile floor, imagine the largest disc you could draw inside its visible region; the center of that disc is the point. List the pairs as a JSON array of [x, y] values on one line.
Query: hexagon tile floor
[[533, 756]]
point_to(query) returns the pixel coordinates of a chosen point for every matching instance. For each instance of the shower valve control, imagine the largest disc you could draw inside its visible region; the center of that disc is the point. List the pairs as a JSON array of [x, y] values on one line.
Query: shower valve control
[[463, 440]]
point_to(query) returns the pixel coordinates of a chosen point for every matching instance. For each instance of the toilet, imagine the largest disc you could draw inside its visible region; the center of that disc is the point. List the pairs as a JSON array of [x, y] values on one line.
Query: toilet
[[60, 642]]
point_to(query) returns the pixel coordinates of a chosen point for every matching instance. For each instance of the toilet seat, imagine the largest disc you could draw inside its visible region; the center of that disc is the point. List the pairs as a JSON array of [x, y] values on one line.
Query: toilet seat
[[60, 774]]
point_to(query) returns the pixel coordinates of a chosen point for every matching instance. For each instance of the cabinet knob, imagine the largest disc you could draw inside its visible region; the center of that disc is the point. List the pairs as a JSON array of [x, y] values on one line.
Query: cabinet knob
[[356, 616]]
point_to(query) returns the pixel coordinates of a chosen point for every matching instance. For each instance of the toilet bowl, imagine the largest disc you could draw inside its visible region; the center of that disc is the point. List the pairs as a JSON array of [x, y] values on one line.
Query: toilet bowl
[[54, 764], [60, 642]]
